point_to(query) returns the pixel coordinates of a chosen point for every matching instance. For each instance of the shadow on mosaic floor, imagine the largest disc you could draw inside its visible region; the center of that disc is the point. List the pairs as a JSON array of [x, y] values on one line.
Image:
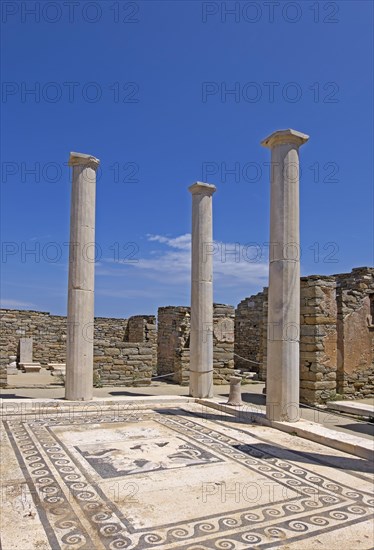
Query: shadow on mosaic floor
[[265, 450], [362, 427], [254, 398]]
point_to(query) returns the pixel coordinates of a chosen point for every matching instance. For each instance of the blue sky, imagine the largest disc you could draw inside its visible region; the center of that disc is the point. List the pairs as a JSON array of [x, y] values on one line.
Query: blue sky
[[145, 87]]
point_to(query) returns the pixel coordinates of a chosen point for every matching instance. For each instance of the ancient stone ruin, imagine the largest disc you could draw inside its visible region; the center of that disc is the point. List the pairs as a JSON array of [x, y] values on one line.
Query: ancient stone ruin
[[336, 340], [173, 348], [310, 339], [336, 335]]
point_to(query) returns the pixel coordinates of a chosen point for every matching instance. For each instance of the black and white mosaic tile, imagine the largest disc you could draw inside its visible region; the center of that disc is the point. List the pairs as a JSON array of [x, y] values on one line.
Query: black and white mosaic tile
[[154, 480]]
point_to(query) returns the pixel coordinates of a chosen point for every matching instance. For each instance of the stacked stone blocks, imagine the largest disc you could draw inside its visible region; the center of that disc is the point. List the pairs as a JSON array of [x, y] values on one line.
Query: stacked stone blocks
[[318, 339], [173, 343], [251, 335], [336, 335], [115, 362]]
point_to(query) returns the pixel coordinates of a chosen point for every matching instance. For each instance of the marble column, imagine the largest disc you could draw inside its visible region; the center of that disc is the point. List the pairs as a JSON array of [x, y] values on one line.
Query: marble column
[[201, 335], [80, 318], [282, 377]]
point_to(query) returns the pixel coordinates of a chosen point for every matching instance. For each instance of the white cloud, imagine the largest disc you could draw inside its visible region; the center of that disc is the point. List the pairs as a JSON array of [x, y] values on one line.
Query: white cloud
[[234, 265], [183, 242]]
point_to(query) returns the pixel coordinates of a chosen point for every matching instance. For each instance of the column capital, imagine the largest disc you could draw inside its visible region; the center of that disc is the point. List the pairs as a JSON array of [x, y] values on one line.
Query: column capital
[[200, 188], [82, 159], [281, 137]]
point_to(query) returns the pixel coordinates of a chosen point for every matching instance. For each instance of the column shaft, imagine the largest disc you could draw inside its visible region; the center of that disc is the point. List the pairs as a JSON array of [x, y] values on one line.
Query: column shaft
[[79, 344], [201, 336], [282, 379]]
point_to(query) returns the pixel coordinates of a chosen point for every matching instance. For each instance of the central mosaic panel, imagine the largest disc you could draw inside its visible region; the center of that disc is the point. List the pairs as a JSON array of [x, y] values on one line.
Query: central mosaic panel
[[119, 458]]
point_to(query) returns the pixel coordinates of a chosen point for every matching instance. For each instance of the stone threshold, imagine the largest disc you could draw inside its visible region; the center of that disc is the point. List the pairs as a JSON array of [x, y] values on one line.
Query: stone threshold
[[351, 407], [357, 446]]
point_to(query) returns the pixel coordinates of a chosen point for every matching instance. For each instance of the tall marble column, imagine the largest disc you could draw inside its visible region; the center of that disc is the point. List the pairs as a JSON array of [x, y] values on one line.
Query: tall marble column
[[79, 344], [201, 335], [282, 377]]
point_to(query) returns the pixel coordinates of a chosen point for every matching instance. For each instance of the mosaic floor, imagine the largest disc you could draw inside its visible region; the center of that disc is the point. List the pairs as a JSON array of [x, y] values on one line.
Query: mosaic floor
[[176, 478]]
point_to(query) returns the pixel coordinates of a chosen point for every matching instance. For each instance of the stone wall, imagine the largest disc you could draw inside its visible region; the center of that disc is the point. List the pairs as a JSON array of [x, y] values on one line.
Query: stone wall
[[124, 351], [3, 368], [251, 334], [173, 352], [48, 333], [173, 335], [223, 343], [182, 367], [336, 335], [143, 328], [111, 363], [123, 363], [355, 333], [318, 339]]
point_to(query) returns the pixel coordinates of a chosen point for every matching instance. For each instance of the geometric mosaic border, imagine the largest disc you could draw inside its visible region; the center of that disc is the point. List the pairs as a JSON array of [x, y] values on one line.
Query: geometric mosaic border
[[59, 485]]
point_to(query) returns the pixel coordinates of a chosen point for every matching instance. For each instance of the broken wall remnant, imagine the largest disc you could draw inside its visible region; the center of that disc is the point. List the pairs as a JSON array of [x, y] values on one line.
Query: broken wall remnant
[[173, 352], [113, 363], [336, 335]]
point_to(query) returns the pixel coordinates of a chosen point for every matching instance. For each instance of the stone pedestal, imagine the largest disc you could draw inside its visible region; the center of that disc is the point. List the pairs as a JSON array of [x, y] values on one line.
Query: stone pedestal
[[282, 380], [201, 339], [79, 342], [26, 362], [25, 350], [235, 397]]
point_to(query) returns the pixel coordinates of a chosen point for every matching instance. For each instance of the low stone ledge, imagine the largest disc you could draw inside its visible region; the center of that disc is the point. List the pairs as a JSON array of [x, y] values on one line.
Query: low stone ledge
[[358, 446], [350, 407]]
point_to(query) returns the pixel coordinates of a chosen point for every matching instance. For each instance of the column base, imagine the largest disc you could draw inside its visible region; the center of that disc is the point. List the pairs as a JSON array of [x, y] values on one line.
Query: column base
[[283, 412], [201, 384]]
